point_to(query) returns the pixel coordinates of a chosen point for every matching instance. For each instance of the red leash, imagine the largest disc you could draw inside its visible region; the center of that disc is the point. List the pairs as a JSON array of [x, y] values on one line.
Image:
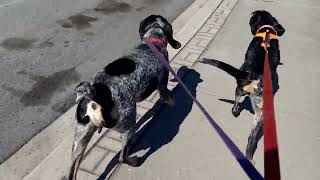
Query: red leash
[[271, 154]]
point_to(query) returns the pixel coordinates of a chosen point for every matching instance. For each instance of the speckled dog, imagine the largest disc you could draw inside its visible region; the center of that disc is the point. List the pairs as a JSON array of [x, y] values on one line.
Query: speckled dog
[[249, 75], [110, 100]]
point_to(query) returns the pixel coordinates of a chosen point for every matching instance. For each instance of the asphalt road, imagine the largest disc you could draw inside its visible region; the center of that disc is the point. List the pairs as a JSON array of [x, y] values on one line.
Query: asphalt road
[[47, 47]]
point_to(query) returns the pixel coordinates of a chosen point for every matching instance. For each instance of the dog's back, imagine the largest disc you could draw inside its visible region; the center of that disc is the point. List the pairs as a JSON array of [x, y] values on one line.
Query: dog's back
[[133, 75]]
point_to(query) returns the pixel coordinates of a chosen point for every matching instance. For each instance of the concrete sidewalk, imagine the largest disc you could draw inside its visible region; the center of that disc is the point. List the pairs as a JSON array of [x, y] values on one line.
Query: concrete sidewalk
[[178, 143], [175, 147]]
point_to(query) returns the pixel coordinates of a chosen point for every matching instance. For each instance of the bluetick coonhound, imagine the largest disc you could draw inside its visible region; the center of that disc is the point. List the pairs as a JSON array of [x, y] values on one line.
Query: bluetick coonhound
[[110, 100], [249, 76]]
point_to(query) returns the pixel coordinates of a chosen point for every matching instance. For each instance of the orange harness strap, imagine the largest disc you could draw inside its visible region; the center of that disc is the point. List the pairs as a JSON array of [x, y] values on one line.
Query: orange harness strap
[[263, 36]]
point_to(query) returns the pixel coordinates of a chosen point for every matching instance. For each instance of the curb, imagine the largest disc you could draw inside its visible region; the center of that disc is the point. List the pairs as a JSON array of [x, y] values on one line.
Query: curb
[[197, 26]]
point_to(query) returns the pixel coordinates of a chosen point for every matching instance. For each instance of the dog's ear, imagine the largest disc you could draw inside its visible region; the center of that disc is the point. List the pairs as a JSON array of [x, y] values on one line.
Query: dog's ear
[[255, 22], [278, 27], [167, 30], [84, 89], [143, 25]]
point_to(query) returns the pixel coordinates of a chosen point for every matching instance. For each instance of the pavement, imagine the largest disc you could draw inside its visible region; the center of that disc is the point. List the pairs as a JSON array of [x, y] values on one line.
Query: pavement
[[179, 143]]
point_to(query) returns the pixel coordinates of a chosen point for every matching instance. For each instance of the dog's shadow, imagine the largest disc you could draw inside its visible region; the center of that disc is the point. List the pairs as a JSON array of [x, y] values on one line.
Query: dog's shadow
[[244, 105], [164, 126]]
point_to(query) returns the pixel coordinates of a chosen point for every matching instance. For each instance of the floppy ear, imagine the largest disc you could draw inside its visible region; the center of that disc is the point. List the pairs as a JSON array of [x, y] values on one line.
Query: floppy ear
[[167, 30], [144, 23], [84, 89], [142, 26], [174, 43], [278, 27], [254, 22]]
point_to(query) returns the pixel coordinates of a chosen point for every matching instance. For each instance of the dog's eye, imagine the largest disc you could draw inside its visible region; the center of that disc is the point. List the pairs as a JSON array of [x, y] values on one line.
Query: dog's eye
[[94, 106], [85, 120]]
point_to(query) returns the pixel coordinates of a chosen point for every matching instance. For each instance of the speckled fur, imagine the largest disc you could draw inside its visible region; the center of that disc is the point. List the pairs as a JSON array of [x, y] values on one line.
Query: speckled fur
[[252, 70], [116, 88], [126, 90]]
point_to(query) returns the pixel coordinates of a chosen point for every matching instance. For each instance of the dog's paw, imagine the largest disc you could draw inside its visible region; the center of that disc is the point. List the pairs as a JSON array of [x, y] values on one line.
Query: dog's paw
[[170, 102], [236, 112], [64, 178], [132, 161], [252, 162], [173, 80]]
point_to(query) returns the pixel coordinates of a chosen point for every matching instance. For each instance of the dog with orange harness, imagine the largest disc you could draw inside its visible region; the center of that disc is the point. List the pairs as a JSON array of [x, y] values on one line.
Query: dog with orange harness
[[249, 75]]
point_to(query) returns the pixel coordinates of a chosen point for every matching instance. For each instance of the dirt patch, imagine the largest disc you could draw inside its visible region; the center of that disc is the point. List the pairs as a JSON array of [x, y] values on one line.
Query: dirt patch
[[78, 21], [152, 2], [45, 44], [140, 8], [17, 43], [65, 23], [45, 87], [89, 33], [111, 6]]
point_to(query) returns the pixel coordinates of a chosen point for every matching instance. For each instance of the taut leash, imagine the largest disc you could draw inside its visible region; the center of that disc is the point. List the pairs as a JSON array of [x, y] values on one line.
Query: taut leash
[[250, 170], [271, 154]]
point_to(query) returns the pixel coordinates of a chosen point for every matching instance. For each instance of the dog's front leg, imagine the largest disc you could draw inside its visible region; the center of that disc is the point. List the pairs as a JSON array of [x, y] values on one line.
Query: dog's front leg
[[255, 136], [83, 134], [165, 95], [128, 139], [164, 91], [257, 131], [123, 153]]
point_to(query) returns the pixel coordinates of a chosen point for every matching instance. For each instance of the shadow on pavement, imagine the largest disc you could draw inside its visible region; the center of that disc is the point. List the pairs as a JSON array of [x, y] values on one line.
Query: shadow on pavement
[[164, 126], [244, 105]]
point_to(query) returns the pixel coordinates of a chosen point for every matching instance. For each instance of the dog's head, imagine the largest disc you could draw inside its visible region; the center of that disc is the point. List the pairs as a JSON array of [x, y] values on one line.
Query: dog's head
[[260, 18], [157, 21], [91, 110], [95, 102]]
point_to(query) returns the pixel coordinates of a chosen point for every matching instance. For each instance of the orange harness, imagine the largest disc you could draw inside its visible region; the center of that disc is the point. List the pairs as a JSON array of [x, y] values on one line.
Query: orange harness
[[263, 36]]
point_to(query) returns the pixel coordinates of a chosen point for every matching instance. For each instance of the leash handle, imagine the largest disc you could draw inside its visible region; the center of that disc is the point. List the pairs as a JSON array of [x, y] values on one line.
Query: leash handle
[[250, 170], [271, 154]]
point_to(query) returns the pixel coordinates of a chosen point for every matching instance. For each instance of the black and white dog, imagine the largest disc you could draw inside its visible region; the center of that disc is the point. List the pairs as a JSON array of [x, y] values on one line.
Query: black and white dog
[[110, 100], [249, 76]]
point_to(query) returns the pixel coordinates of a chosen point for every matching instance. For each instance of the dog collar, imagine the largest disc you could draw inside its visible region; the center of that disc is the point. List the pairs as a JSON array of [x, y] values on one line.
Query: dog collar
[[266, 26], [157, 40]]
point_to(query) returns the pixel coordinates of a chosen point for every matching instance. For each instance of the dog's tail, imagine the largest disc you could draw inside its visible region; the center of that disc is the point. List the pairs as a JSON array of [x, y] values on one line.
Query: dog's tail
[[236, 73]]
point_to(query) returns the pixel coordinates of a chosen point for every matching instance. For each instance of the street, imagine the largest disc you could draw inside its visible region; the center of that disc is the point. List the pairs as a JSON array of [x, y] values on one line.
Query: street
[[47, 47]]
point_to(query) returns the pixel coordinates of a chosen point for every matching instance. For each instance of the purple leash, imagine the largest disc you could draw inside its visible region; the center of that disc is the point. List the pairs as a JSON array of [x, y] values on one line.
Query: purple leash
[[243, 161]]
